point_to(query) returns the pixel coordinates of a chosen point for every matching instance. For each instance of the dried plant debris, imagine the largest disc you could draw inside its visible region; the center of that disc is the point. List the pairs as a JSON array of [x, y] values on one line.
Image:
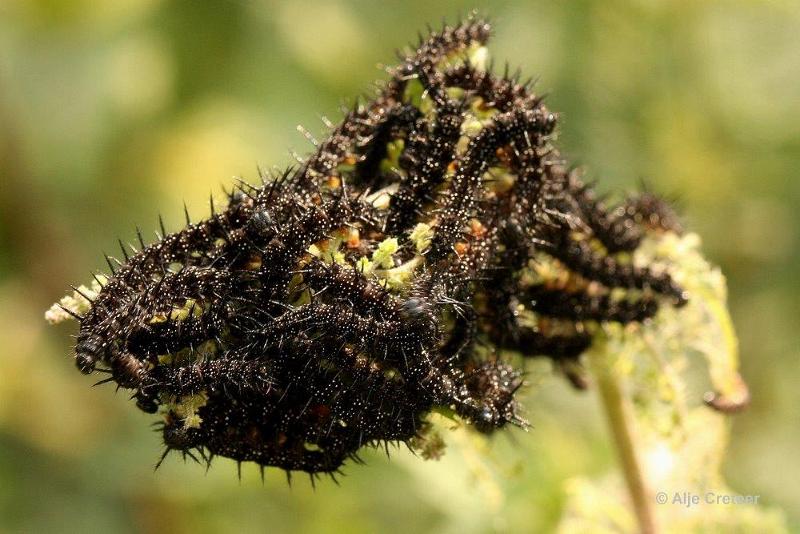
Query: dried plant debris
[[337, 304]]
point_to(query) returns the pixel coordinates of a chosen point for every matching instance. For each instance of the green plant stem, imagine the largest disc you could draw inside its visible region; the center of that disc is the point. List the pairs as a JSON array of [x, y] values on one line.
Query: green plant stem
[[619, 418]]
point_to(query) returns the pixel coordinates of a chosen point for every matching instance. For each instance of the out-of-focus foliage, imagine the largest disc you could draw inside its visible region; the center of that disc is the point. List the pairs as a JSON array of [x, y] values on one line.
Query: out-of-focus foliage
[[113, 111]]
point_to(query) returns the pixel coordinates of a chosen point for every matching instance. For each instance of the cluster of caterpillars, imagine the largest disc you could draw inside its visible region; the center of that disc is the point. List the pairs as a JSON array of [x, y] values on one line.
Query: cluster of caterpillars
[[337, 304]]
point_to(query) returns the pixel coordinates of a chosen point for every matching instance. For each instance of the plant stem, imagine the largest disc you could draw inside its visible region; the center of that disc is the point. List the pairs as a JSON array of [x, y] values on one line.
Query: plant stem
[[619, 419]]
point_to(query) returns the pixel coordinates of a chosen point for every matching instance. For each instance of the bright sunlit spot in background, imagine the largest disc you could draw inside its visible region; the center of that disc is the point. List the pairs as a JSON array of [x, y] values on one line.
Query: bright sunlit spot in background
[[660, 462]]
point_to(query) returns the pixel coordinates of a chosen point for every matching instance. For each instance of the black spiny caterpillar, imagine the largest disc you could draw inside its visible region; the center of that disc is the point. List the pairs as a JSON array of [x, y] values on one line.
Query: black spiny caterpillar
[[337, 304]]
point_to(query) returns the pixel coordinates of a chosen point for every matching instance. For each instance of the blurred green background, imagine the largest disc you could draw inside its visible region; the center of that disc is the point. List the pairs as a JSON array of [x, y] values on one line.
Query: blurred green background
[[114, 111]]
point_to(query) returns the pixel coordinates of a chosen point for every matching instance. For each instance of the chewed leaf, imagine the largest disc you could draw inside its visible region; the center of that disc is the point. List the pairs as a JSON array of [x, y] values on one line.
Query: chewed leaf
[[75, 304], [672, 446], [706, 326]]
